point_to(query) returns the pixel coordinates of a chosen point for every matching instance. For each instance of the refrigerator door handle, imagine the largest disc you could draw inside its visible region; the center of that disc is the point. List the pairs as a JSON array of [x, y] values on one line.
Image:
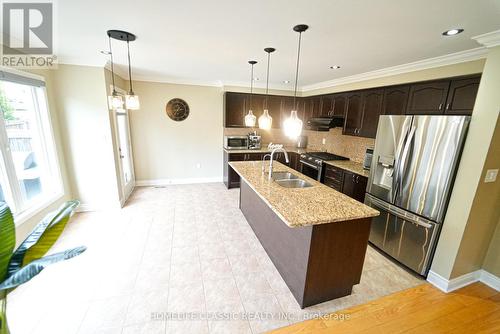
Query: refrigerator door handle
[[399, 212], [402, 163]]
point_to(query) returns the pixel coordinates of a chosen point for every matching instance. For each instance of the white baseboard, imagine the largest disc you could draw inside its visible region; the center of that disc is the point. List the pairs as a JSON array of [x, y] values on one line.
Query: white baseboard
[[165, 182], [446, 285], [490, 280]]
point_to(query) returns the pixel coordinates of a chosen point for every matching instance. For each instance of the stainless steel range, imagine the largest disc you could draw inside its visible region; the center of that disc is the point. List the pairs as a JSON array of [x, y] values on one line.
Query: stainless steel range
[[311, 163]]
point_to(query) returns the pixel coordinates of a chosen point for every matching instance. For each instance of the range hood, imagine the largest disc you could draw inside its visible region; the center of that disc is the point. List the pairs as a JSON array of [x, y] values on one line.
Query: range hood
[[325, 123]]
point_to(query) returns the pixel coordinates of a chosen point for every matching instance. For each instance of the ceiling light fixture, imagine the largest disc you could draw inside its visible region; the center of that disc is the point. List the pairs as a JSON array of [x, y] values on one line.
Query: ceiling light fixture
[[265, 120], [250, 118], [131, 100], [334, 67], [115, 101], [293, 124], [453, 32]]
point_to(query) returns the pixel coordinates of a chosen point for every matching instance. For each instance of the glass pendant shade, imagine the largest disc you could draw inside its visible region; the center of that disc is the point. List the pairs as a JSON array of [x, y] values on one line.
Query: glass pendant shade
[[265, 120], [250, 119], [293, 125], [115, 102], [132, 102]]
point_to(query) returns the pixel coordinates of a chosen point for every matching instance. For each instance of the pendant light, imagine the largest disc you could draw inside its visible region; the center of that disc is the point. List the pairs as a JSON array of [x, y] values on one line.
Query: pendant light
[[265, 120], [115, 101], [293, 124], [250, 118], [131, 100]]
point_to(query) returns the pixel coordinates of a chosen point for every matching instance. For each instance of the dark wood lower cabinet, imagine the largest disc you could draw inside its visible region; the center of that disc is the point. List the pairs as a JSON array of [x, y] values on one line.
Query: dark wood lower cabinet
[[354, 186], [319, 262], [230, 177], [351, 184]]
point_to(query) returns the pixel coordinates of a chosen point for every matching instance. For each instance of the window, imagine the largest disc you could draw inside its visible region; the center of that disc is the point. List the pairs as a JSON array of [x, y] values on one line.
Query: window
[[29, 174]]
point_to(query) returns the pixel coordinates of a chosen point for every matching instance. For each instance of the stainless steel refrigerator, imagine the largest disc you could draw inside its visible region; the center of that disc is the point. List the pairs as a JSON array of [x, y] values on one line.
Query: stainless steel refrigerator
[[411, 177]]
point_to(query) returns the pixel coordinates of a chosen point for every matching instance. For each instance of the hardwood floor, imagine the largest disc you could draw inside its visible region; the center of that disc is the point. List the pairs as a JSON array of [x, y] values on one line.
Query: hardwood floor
[[422, 309]]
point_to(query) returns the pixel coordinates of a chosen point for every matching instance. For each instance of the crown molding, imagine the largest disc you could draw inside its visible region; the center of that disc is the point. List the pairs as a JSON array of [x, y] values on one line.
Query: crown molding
[[449, 59], [177, 81], [489, 40]]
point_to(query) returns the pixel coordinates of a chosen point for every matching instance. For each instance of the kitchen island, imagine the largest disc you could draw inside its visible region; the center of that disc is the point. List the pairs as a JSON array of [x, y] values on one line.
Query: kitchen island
[[315, 236]]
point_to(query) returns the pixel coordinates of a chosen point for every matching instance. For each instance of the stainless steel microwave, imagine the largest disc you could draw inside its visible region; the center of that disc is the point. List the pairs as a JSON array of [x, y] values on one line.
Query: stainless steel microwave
[[236, 142]]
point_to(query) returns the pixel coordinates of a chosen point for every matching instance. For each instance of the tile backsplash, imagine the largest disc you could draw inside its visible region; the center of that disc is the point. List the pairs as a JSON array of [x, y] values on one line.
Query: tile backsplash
[[335, 142]]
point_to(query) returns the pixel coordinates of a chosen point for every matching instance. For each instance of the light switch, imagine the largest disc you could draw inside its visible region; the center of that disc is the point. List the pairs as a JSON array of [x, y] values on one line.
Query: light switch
[[491, 175]]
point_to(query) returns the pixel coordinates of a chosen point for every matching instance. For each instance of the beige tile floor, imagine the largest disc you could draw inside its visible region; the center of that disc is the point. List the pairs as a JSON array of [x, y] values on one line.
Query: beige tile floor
[[182, 248]]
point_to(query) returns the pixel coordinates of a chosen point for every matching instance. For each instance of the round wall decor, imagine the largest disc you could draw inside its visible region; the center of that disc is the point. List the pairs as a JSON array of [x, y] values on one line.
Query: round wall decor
[[177, 109]]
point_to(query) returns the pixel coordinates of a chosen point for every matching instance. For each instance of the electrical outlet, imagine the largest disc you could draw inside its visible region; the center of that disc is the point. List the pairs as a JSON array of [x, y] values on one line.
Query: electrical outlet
[[324, 141], [491, 175]]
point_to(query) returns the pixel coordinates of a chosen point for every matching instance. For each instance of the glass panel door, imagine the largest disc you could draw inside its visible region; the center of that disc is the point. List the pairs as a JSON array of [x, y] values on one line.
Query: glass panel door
[[125, 152]]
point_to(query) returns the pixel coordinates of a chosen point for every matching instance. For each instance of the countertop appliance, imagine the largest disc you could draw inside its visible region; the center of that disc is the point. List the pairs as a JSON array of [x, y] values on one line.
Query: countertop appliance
[[411, 176], [311, 163], [367, 162], [325, 123], [254, 141], [302, 142], [236, 142]]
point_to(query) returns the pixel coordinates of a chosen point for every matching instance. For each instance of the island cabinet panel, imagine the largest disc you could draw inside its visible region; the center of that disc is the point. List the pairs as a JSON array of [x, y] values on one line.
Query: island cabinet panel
[[462, 96], [428, 98], [318, 262], [395, 100]]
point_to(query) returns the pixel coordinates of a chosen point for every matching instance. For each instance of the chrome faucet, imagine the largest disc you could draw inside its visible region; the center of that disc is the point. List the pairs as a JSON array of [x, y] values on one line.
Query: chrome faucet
[[264, 163], [271, 160]]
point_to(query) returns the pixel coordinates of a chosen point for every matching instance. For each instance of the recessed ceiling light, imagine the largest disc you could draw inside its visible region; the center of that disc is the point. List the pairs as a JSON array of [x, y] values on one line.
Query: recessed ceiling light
[[452, 32], [334, 67], [286, 81]]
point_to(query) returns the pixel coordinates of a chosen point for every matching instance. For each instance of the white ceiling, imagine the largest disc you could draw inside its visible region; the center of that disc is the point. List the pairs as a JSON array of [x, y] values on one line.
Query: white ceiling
[[210, 41]]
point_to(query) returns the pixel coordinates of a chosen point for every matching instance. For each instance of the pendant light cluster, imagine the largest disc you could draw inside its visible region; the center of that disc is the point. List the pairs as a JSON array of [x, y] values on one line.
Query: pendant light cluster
[[115, 100], [293, 124]]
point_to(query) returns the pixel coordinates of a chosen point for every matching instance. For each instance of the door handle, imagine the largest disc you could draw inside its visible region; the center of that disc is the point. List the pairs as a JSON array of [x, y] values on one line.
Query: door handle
[[399, 183]]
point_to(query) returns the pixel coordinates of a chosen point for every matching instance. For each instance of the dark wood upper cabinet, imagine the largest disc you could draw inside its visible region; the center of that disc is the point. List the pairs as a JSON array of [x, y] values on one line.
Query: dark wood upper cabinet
[[428, 98], [339, 104], [372, 107], [395, 100], [326, 105], [461, 96], [361, 109], [354, 113], [235, 105]]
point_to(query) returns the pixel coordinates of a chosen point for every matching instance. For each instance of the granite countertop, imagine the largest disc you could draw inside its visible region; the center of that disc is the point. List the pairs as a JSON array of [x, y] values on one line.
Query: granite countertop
[[351, 166], [314, 205]]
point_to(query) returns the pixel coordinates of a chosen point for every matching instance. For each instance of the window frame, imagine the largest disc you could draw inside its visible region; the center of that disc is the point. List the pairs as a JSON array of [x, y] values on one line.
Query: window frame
[[49, 146]]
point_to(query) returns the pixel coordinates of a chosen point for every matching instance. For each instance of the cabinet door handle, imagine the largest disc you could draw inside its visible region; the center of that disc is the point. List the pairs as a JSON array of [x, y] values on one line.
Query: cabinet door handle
[[440, 106], [447, 106]]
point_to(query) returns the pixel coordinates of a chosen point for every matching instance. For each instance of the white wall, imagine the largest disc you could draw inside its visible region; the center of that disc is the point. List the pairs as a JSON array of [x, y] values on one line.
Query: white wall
[[169, 151], [81, 102]]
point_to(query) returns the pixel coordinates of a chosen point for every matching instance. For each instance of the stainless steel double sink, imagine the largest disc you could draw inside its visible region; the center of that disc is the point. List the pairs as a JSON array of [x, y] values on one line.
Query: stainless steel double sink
[[289, 180]]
